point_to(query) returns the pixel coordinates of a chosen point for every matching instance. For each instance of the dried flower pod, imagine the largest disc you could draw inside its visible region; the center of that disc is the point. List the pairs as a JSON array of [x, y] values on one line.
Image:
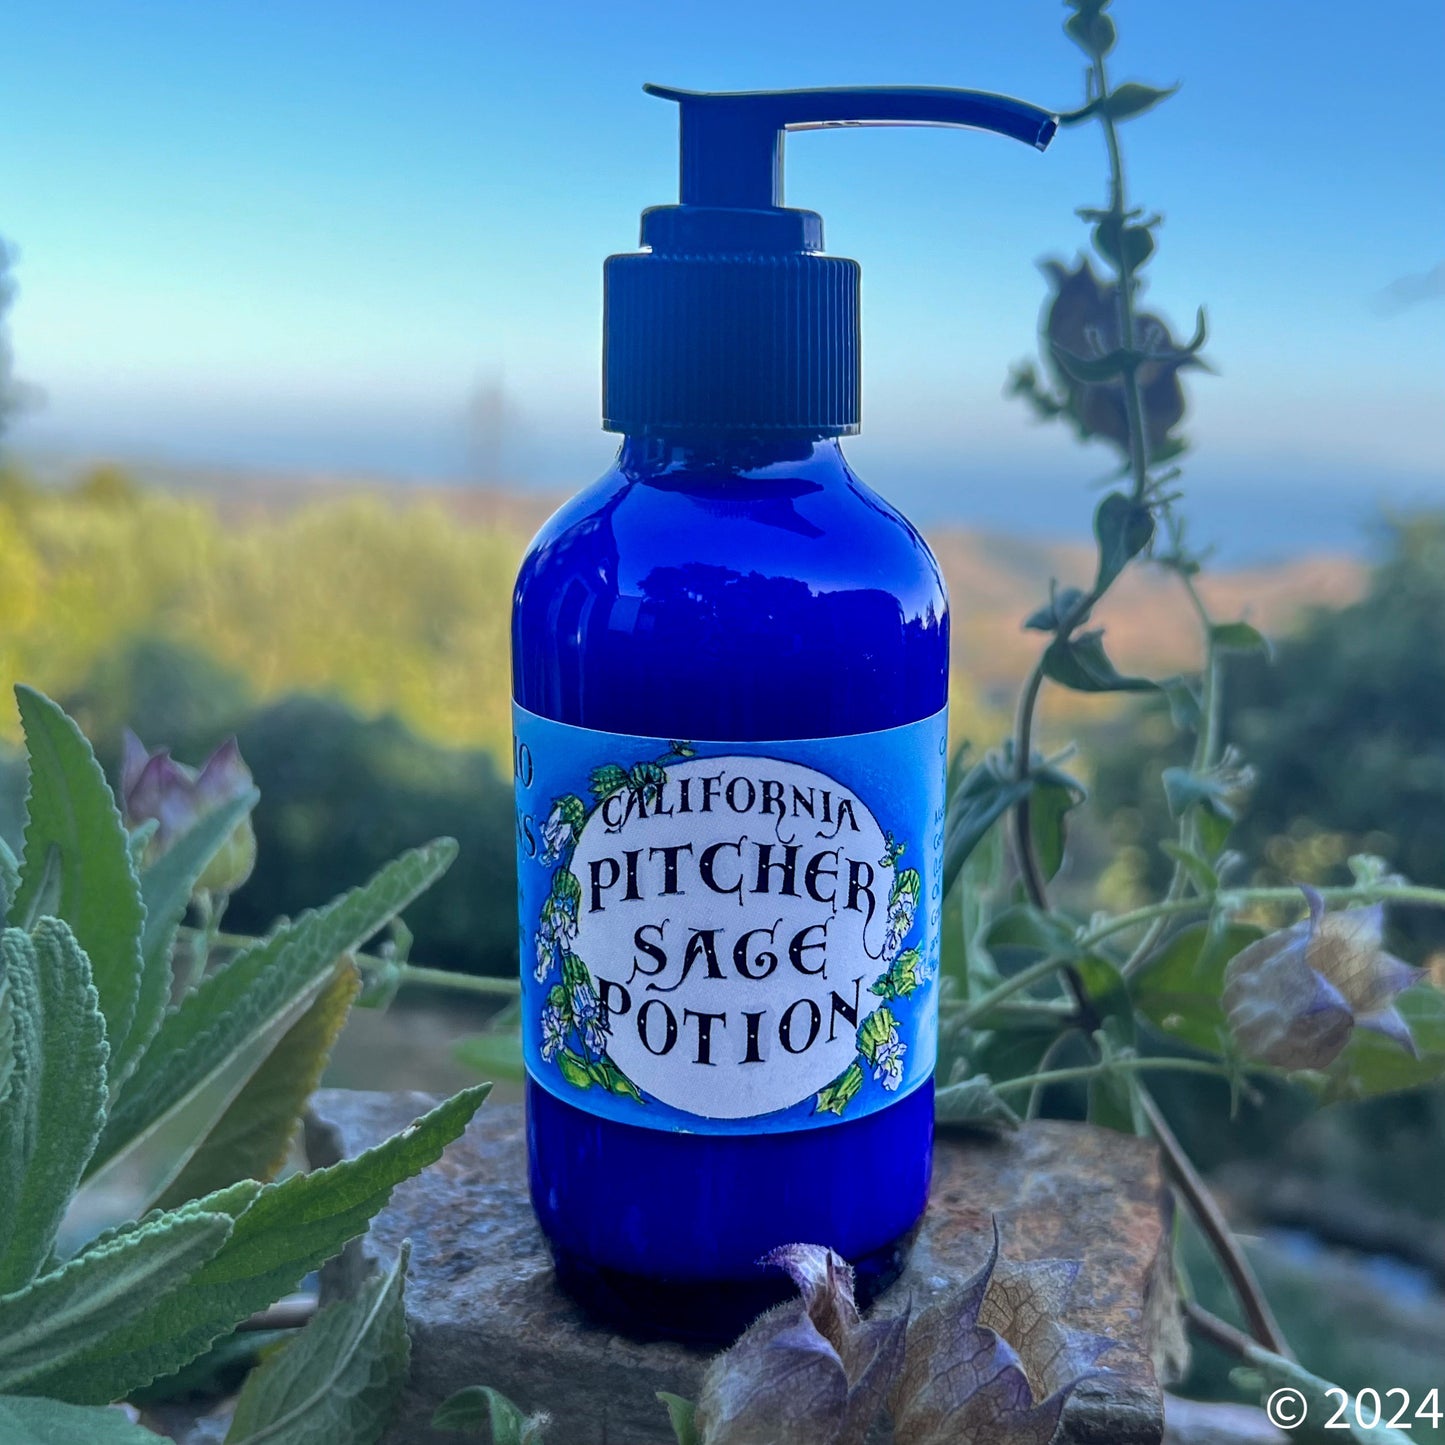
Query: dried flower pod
[[1294, 998], [156, 788], [990, 1362], [811, 1372]]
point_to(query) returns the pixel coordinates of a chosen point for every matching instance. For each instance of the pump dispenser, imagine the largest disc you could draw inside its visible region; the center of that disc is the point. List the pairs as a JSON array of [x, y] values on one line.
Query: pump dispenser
[[730, 683]]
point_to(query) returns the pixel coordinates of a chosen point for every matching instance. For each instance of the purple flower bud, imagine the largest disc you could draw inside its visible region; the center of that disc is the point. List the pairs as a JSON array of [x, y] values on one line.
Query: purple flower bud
[[1295, 998], [156, 788]]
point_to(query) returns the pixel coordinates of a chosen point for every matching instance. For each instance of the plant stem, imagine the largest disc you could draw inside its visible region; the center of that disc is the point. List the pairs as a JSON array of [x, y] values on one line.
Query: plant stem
[[1125, 1065], [1024, 978], [1409, 893], [1210, 1218], [1220, 1332], [411, 973]]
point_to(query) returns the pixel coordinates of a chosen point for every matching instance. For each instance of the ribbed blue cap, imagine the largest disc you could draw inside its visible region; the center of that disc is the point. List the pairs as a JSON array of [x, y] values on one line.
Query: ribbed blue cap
[[719, 329]]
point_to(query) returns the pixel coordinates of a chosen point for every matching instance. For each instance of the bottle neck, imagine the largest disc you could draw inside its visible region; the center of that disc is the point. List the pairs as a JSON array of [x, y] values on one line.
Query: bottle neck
[[726, 455]]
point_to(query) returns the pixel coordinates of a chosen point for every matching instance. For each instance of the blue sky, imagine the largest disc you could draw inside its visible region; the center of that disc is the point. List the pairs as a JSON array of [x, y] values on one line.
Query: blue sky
[[299, 235]]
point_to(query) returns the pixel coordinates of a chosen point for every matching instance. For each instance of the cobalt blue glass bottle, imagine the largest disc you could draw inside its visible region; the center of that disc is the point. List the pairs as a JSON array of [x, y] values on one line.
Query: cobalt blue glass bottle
[[730, 678]]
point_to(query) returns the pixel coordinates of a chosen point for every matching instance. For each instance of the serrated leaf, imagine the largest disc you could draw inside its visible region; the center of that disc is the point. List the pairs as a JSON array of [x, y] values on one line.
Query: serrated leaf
[[217, 1023], [77, 863], [29, 1421], [1081, 664], [1240, 637], [253, 1137], [682, 1416], [166, 888], [1131, 99], [52, 1117], [974, 1103], [9, 877], [479, 1410], [287, 1230], [494, 1054], [339, 1379], [1123, 528], [59, 1315]]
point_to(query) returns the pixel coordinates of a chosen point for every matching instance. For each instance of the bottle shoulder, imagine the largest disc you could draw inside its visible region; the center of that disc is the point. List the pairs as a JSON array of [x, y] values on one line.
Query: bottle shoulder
[[629, 534]]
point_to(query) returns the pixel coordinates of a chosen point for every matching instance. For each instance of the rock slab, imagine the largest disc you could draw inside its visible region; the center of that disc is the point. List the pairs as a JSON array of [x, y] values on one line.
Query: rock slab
[[483, 1308]]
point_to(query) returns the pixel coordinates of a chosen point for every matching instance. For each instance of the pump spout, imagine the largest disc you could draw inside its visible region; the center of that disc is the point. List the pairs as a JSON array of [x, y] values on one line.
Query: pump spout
[[732, 141]]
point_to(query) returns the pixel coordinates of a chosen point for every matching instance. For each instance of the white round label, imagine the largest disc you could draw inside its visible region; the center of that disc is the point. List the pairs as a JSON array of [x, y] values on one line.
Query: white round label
[[733, 918]]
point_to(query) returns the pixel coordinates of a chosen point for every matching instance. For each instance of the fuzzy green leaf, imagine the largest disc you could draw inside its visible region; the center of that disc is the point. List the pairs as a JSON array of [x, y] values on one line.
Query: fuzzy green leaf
[[1180, 992], [1131, 99], [494, 1054], [1123, 528], [166, 888], [1373, 1064], [7, 1033], [682, 1416], [59, 1315], [253, 1137], [25, 1421], [339, 1379], [974, 1103], [1197, 869], [479, 1409], [218, 1022], [52, 1115], [288, 1230], [77, 863], [1239, 637], [982, 797], [1082, 665], [9, 877]]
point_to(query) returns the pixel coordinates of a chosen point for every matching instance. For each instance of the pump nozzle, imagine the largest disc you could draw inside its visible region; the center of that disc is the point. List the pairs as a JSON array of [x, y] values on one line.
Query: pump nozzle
[[731, 320], [732, 141]]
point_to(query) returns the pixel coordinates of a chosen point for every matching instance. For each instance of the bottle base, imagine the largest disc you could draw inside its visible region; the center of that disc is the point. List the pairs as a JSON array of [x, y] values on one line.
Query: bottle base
[[704, 1312]]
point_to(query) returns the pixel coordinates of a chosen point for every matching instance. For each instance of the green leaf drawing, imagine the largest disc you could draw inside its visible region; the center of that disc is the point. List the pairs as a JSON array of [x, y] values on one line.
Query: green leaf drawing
[[29, 1421], [904, 976], [909, 882], [57, 1317], [339, 1379], [166, 888], [645, 776], [839, 1094], [574, 1069], [282, 1232], [606, 1073], [253, 1137], [566, 890], [575, 973], [480, 1410], [606, 780], [874, 1031], [51, 1115], [213, 1032], [77, 863]]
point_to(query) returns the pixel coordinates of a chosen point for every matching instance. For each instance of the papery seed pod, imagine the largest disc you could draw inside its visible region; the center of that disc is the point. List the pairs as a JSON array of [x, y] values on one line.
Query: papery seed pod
[[1293, 999]]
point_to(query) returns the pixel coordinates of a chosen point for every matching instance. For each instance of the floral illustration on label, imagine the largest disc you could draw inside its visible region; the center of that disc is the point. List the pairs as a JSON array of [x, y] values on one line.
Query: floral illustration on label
[[726, 935]]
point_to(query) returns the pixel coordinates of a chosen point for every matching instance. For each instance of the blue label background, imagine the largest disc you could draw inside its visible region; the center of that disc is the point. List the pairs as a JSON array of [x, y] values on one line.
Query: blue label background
[[900, 773]]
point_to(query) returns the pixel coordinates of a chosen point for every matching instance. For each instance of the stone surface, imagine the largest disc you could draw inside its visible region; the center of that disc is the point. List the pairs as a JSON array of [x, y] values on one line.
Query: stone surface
[[483, 1308]]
